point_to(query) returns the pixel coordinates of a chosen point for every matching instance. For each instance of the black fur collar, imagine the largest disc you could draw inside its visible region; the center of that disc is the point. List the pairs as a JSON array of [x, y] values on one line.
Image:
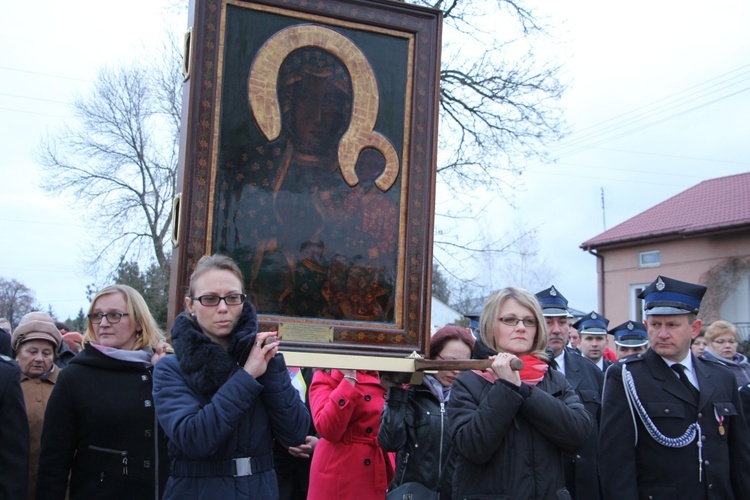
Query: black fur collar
[[207, 364]]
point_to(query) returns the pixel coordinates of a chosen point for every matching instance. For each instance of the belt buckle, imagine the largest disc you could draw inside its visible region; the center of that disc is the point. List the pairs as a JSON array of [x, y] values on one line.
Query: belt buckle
[[242, 467]]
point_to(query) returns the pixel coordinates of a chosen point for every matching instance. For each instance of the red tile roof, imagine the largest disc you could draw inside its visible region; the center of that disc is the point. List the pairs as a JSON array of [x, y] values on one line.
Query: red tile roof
[[713, 205]]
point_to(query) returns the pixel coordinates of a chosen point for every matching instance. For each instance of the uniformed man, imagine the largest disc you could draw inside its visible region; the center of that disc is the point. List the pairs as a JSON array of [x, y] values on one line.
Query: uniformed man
[[586, 380], [672, 424], [593, 331], [630, 338]]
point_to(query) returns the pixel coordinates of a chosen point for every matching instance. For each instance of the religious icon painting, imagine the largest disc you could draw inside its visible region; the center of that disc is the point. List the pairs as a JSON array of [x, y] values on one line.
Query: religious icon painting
[[308, 156]]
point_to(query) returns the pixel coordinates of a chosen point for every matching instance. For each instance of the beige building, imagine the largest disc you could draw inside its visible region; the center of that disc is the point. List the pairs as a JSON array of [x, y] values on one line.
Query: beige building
[[701, 235]]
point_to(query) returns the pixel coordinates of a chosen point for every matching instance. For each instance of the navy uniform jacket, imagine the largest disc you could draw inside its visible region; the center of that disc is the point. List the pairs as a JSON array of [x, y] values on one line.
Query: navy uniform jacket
[[650, 470], [587, 381]]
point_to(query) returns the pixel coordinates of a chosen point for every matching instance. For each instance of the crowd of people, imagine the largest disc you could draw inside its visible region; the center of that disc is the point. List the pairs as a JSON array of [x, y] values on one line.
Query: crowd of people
[[547, 412]]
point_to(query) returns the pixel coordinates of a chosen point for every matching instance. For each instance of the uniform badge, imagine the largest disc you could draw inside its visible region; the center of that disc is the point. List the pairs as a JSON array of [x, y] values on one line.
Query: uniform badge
[[660, 284], [630, 325], [553, 292]]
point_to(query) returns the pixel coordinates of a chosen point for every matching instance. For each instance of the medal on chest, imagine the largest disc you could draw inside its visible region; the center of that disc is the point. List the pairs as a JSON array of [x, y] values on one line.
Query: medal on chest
[[720, 419]]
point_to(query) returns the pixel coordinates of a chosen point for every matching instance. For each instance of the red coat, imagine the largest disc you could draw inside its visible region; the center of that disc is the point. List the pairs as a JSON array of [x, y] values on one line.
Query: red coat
[[348, 462]]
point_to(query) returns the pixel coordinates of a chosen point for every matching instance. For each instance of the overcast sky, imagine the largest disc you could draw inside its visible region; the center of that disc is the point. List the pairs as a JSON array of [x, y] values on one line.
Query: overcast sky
[[658, 100]]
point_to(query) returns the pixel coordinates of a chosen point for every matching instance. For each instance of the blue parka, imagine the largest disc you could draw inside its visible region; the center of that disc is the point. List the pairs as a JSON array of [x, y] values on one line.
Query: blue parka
[[213, 411]]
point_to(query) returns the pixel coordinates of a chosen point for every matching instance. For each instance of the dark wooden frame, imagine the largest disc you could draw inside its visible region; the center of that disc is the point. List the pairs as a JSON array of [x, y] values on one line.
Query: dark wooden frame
[[410, 328]]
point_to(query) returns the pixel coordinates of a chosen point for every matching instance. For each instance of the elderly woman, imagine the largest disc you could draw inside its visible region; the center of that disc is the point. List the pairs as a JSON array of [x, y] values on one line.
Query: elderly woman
[[414, 421], [722, 338], [510, 428], [35, 344], [100, 437], [226, 394]]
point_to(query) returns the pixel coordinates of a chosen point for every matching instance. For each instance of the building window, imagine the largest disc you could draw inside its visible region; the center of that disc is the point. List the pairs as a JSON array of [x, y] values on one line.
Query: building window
[[636, 305], [649, 259]]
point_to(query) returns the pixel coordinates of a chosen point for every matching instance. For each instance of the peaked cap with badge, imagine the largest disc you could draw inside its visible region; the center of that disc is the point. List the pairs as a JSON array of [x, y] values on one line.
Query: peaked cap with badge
[[630, 334], [553, 302], [592, 324], [667, 296]]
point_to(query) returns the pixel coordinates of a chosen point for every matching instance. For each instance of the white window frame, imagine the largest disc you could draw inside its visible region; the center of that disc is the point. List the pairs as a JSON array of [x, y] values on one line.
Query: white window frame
[[641, 255], [636, 306]]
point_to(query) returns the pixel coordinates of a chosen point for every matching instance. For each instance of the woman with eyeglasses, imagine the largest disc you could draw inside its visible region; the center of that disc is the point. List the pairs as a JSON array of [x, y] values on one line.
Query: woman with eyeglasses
[[723, 339], [226, 394], [510, 427], [415, 423], [100, 437]]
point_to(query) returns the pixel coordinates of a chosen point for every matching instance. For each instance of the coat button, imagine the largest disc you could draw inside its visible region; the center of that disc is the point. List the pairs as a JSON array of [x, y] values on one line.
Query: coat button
[[700, 415], [368, 430], [367, 397], [705, 462], [342, 402], [367, 461], [148, 433], [703, 437], [666, 410], [384, 395]]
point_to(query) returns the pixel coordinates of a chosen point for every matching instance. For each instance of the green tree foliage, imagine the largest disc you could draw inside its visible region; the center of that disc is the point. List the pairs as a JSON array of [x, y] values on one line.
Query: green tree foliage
[[152, 283]]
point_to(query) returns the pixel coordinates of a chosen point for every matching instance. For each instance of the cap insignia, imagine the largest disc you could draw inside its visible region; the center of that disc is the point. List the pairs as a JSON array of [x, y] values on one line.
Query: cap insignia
[[660, 284], [630, 325], [553, 292], [593, 315]]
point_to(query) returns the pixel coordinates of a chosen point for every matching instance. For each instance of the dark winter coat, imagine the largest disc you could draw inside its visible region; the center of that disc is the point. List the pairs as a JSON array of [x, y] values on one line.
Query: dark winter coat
[[509, 441], [100, 426], [633, 465], [415, 424], [213, 411], [14, 433], [587, 380]]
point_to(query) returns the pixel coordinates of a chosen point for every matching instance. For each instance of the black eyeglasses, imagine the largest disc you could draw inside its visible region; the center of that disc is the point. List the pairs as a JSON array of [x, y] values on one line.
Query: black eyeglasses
[[233, 299], [112, 317], [513, 321]]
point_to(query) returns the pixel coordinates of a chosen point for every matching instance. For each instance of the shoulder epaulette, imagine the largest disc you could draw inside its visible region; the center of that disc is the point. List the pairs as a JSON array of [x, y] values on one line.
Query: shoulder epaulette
[[632, 358]]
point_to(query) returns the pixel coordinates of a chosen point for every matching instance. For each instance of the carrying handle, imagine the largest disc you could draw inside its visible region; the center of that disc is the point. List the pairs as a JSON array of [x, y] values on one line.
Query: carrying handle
[[187, 54], [176, 220]]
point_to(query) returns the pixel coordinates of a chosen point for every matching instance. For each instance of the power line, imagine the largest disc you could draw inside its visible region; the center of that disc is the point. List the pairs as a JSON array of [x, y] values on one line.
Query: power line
[[17, 70], [34, 98], [638, 128], [653, 110], [657, 101], [712, 160], [33, 113]]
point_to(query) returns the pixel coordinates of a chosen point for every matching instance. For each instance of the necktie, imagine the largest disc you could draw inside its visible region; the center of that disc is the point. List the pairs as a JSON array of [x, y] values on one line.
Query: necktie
[[680, 369]]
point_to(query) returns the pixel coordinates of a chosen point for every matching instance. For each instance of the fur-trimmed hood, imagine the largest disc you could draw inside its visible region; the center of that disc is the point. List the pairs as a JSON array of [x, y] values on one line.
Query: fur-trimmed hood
[[207, 364]]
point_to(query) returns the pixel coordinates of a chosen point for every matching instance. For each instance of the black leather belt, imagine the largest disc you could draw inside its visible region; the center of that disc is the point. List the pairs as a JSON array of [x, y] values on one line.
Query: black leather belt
[[237, 467]]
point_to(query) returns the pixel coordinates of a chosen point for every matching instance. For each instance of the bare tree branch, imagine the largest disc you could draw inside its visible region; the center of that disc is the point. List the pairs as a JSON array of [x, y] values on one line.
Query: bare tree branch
[[118, 160]]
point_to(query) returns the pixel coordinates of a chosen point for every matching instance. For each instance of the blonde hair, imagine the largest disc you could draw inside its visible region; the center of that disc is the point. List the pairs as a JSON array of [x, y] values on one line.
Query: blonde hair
[[138, 312], [719, 328], [488, 321]]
